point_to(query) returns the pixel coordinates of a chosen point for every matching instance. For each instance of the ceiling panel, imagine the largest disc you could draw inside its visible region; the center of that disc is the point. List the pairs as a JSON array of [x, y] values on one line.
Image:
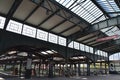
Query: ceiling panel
[[5, 5], [91, 39], [88, 36], [71, 31], [62, 27], [24, 9], [75, 20], [38, 16], [95, 43], [52, 22], [83, 25]]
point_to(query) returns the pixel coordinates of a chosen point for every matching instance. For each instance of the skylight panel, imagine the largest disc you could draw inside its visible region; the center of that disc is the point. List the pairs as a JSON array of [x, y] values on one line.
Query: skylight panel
[[62, 41], [29, 31], [114, 30], [43, 35], [2, 21], [76, 45], [14, 26], [70, 3], [83, 8], [66, 2], [109, 6], [61, 1], [106, 29], [53, 38]]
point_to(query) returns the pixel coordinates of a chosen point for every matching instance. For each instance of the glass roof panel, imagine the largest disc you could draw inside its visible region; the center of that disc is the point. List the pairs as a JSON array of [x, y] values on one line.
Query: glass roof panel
[[109, 6], [84, 8], [114, 30]]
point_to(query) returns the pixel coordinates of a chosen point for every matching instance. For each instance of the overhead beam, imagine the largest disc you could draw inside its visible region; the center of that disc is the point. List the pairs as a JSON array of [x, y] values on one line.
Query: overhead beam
[[69, 11], [12, 11], [96, 27], [34, 10]]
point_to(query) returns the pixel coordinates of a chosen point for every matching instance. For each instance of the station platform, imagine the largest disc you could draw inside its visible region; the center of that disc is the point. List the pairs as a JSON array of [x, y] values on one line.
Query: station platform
[[99, 77]]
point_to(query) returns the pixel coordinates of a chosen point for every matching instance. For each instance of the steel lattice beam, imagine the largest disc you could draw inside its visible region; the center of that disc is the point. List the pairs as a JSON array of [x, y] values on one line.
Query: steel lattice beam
[[96, 27]]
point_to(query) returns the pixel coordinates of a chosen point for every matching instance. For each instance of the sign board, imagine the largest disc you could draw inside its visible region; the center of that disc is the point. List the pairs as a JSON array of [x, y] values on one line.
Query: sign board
[[107, 38]]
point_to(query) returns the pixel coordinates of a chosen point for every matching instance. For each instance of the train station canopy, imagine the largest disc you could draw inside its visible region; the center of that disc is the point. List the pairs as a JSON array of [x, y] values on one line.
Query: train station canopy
[[82, 21]]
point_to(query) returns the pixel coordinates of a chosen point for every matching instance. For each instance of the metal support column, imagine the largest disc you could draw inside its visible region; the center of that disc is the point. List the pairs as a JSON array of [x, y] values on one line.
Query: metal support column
[[29, 66], [105, 68], [79, 69], [75, 68], [5, 67], [88, 69], [50, 74], [101, 67], [39, 68], [20, 69]]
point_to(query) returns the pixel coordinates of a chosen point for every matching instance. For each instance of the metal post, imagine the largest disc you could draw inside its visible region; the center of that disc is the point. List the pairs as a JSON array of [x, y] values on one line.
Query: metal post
[[79, 69], [39, 68], [50, 68], [20, 69], [29, 66], [88, 69], [105, 68]]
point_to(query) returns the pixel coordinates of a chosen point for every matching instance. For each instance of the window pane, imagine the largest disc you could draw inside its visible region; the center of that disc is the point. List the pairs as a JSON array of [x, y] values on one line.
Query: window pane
[[103, 53], [62, 41], [70, 45], [2, 21], [106, 54], [14, 26], [91, 50], [98, 52], [87, 48], [52, 38], [42, 35], [29, 31], [76, 45], [82, 47], [111, 57]]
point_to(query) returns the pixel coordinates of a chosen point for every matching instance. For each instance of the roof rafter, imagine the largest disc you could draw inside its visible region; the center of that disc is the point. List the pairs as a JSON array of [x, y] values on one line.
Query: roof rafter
[[34, 10], [12, 11]]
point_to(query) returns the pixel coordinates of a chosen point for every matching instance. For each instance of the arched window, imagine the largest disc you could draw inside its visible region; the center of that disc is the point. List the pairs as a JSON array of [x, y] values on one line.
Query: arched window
[[115, 56]]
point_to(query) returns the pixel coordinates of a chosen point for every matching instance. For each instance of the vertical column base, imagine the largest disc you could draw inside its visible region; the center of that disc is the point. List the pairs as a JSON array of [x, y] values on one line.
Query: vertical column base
[[88, 69], [28, 73], [50, 74]]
